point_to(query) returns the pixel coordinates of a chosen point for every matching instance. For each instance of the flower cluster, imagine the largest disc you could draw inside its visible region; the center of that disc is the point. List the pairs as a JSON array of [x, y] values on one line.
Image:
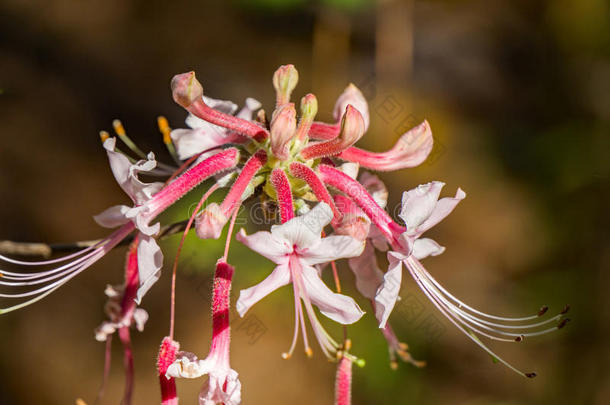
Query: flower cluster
[[308, 172]]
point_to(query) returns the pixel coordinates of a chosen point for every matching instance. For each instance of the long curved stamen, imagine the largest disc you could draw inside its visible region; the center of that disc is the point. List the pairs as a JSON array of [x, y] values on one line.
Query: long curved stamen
[[284, 194], [305, 173], [358, 193], [477, 324], [178, 251], [409, 151], [230, 234], [71, 269], [416, 276]]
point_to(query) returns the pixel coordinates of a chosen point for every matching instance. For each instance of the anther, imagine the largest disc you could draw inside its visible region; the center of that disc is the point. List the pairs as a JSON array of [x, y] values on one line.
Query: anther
[[104, 135], [286, 355], [530, 375], [563, 323], [519, 338], [347, 345], [543, 310], [394, 365], [309, 352], [565, 309], [164, 129], [118, 127]]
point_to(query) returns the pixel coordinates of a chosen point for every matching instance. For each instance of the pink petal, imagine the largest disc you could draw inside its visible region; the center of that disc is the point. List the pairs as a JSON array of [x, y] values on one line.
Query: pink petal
[[368, 274], [266, 244], [338, 307], [352, 95], [279, 277]]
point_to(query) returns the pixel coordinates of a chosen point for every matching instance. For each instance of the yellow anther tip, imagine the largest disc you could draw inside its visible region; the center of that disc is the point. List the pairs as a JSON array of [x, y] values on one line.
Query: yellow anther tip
[[285, 356], [394, 365], [348, 344], [309, 352], [118, 127], [104, 135]]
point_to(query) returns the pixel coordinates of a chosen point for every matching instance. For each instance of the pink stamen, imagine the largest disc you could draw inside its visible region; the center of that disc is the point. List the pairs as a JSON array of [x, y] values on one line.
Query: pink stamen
[[217, 163], [179, 250], [305, 173], [411, 149], [284, 194], [343, 382], [229, 234], [358, 193], [167, 355]]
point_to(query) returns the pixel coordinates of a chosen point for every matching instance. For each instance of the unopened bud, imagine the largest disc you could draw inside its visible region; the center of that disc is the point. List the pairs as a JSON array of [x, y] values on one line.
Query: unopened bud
[[352, 126], [352, 95], [186, 89], [210, 223], [285, 79], [309, 107], [283, 127]]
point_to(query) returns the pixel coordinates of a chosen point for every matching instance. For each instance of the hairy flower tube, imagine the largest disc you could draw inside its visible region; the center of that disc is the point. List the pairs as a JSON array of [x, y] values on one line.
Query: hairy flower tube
[[307, 174]]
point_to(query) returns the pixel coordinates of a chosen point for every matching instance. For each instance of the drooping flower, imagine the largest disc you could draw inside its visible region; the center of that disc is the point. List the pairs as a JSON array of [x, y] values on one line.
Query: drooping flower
[[421, 210], [295, 247], [223, 385]]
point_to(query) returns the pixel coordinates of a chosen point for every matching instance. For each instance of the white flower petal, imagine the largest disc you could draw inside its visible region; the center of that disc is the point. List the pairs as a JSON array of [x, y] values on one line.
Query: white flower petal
[[279, 277], [187, 365], [443, 208], [113, 216], [267, 245], [418, 204], [425, 247], [150, 262], [386, 296], [140, 316], [375, 187], [305, 231], [338, 307], [331, 248], [352, 95], [221, 387], [351, 169], [368, 274], [250, 106], [189, 142]]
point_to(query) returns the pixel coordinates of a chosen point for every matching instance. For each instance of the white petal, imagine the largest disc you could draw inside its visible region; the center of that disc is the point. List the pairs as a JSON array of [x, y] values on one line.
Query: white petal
[[368, 274], [190, 142], [221, 387], [279, 277], [113, 216], [266, 244], [140, 316], [150, 261], [331, 248], [418, 203], [305, 230], [225, 106], [443, 208], [351, 169], [425, 247], [104, 330], [187, 365], [338, 307], [250, 106], [386, 296]]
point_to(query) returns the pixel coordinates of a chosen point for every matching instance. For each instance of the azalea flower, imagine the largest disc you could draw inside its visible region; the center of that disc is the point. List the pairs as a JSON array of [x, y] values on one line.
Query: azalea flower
[[295, 247]]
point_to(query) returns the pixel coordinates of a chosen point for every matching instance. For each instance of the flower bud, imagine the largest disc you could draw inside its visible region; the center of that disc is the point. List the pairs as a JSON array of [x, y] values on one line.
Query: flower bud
[[186, 89], [283, 127], [285, 79], [352, 95], [309, 109], [210, 222], [352, 126]]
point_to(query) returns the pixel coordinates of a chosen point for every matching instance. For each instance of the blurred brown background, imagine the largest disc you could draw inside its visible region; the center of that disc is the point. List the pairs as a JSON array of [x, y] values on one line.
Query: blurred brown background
[[518, 97]]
